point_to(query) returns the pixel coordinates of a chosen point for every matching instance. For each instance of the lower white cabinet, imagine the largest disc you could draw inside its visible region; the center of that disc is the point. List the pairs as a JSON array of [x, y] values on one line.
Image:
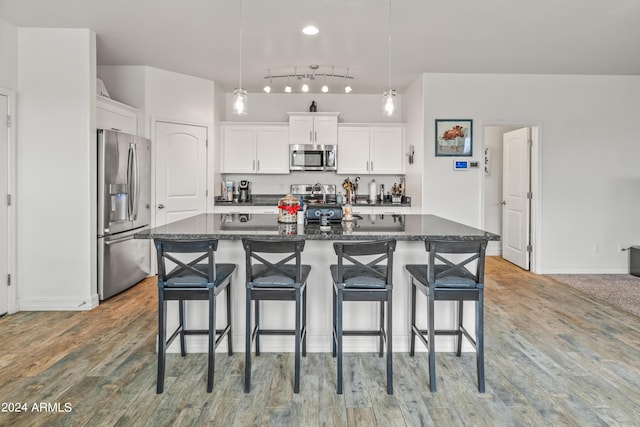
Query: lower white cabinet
[[380, 210], [113, 115], [370, 150], [255, 149], [245, 209]]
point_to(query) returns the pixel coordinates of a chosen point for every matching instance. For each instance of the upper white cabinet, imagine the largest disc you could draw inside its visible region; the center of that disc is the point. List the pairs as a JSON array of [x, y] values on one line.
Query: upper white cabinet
[[114, 115], [370, 150], [253, 149], [313, 128]]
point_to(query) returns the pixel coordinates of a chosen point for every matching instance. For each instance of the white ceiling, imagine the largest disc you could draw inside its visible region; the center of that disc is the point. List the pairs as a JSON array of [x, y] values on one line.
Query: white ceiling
[[202, 38]]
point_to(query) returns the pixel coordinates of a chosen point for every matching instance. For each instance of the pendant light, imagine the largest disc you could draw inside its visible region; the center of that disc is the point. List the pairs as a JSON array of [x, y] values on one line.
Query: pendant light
[[239, 94], [325, 88], [389, 95]]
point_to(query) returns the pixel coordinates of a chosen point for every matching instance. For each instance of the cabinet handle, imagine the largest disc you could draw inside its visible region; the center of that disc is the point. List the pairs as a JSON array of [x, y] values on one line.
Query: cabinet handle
[[371, 166], [254, 165], [311, 135], [367, 165], [258, 168], [315, 136]]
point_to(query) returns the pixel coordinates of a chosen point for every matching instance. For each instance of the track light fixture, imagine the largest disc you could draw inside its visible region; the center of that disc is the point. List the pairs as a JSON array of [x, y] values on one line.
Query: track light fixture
[[309, 78]]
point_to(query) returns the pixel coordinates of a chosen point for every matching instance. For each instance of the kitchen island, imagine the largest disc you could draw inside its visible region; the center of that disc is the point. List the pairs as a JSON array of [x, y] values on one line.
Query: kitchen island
[[409, 230]]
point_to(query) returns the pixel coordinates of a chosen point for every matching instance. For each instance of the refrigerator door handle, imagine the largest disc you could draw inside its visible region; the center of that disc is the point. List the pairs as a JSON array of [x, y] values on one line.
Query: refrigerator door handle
[[133, 178]]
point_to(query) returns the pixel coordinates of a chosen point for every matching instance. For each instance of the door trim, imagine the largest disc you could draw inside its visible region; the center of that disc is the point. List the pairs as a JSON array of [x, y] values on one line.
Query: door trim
[[535, 263], [12, 306]]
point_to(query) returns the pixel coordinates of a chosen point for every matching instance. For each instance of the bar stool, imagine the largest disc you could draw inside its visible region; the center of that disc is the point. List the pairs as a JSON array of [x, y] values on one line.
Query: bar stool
[[367, 276], [445, 278], [270, 277], [191, 280]]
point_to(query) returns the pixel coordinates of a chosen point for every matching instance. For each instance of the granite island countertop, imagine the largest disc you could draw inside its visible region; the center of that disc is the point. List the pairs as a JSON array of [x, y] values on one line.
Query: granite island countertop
[[366, 227]]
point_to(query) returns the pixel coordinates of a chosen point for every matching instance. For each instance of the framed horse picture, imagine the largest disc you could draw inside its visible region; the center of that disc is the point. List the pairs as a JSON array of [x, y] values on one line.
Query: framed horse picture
[[454, 137]]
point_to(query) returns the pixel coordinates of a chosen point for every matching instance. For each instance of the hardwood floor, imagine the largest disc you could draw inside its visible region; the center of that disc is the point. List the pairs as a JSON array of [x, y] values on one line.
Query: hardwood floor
[[554, 356]]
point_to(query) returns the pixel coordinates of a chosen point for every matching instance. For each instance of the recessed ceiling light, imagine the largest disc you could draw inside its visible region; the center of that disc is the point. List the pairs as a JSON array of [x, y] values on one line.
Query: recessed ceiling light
[[310, 30]]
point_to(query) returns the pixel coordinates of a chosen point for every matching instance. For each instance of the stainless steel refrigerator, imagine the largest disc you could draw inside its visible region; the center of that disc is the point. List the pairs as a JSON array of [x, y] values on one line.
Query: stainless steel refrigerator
[[124, 208]]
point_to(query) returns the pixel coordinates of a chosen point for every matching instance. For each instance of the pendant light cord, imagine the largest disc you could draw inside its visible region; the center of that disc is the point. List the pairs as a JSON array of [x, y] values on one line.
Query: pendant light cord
[[240, 70], [389, 44]]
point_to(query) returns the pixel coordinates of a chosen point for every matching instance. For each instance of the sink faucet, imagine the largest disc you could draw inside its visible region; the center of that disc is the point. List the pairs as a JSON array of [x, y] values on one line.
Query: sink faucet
[[313, 191]]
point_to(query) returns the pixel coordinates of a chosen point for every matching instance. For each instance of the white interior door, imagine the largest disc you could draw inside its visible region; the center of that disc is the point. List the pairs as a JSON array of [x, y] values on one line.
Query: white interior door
[[516, 193], [181, 171], [4, 208]]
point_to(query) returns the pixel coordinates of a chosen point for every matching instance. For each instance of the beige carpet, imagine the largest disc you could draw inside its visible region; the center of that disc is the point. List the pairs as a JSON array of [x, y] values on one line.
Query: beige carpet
[[619, 290]]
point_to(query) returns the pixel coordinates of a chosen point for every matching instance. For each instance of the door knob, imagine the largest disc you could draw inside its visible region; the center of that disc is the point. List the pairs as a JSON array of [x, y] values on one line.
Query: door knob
[[160, 206]]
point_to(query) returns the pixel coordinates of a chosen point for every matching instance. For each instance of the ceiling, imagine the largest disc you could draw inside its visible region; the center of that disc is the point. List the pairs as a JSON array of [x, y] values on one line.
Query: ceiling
[[202, 37]]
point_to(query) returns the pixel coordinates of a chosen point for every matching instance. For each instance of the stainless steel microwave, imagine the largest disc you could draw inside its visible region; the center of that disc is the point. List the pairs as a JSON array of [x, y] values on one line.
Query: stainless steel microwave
[[310, 157]]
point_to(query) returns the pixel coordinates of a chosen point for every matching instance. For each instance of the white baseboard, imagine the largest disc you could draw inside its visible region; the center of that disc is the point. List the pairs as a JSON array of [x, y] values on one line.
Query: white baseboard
[[58, 304]]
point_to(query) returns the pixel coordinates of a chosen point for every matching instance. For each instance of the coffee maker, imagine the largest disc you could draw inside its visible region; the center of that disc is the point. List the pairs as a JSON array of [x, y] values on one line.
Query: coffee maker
[[244, 191]]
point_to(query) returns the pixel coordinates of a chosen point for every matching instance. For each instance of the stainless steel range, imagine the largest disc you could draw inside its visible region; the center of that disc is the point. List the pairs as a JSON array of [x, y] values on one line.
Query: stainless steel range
[[315, 193], [319, 201]]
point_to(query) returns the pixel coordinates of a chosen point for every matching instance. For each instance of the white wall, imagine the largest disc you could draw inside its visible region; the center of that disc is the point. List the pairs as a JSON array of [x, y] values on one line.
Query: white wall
[[590, 179], [56, 196], [8, 55], [413, 106]]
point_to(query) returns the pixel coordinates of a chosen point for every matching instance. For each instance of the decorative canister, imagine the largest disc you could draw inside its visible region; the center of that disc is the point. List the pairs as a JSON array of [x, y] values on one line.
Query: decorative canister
[[288, 208], [348, 212], [287, 229]]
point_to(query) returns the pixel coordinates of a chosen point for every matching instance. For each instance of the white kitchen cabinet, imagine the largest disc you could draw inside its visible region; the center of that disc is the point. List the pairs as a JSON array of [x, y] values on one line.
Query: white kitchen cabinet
[[255, 149], [313, 128], [113, 115], [370, 150]]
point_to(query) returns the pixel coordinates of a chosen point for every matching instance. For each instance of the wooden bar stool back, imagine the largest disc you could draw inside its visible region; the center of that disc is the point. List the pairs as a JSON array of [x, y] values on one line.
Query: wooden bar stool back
[[198, 278], [364, 272], [274, 271], [455, 272]]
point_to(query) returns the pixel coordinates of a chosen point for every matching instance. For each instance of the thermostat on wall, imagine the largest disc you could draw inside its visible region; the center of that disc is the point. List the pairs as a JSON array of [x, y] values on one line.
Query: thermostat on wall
[[460, 165]]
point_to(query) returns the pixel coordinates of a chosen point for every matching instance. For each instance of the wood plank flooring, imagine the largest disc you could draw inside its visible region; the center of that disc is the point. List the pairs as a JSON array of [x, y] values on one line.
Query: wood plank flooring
[[554, 356]]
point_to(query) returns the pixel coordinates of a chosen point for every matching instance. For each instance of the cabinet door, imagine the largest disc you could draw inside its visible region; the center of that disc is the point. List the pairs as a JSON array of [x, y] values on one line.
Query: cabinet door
[[353, 150], [113, 115], [385, 150], [301, 129], [239, 149], [272, 149], [325, 130]]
